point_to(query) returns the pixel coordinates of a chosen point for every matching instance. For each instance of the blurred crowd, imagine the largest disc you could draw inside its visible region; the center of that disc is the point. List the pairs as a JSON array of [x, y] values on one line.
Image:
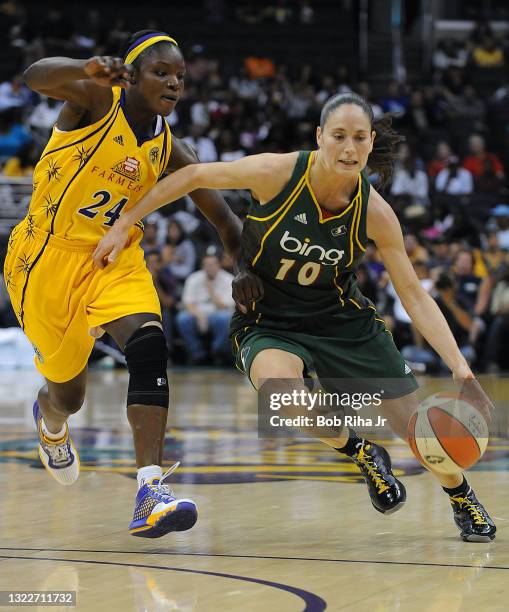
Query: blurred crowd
[[450, 186]]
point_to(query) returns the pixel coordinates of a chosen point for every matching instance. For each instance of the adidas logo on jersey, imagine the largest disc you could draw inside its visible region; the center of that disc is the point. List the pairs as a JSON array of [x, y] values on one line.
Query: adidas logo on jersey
[[301, 218], [293, 245], [119, 140]]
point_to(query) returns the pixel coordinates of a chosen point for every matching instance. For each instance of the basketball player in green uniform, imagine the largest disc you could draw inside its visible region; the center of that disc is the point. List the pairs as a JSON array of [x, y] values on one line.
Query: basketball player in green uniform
[[309, 222]]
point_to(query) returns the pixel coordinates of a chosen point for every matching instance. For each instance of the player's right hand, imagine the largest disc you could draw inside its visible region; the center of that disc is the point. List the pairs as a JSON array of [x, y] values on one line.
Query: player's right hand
[[110, 246], [108, 71]]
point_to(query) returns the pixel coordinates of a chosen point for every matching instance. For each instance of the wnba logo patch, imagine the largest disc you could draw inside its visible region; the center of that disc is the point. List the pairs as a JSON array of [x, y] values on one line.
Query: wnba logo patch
[[128, 167]]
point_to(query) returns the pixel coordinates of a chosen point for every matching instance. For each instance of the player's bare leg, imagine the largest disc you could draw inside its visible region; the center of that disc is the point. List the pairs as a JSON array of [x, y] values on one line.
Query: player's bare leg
[[386, 492], [157, 511], [55, 404]]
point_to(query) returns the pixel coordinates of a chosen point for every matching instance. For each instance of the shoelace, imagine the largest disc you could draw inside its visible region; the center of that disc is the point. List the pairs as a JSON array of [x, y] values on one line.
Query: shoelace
[[164, 489], [372, 469], [59, 453], [474, 510]]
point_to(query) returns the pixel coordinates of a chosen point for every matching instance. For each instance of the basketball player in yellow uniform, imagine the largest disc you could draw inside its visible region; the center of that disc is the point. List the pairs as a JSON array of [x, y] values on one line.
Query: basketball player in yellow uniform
[[109, 146]]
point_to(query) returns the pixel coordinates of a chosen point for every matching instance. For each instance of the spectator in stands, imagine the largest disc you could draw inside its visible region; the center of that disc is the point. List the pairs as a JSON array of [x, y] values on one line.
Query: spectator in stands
[[13, 134], [441, 159], [488, 53], [208, 307], [367, 284], [467, 283], [14, 94], [373, 262], [150, 242], [229, 147], [414, 250], [23, 163], [498, 328], [475, 162], [493, 256], [501, 215], [395, 100], [166, 286], [453, 180], [440, 260], [364, 89], [202, 144], [43, 117], [403, 330], [411, 183], [450, 53], [459, 319], [179, 254]]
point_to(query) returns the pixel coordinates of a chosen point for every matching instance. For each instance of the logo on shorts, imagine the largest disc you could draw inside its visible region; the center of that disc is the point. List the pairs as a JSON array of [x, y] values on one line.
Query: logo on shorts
[[128, 167], [38, 353], [408, 369], [243, 355], [338, 231], [161, 382]]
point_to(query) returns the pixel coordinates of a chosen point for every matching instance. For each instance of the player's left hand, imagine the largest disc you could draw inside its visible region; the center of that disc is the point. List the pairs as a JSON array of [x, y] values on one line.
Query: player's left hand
[[470, 388], [110, 246], [246, 289]]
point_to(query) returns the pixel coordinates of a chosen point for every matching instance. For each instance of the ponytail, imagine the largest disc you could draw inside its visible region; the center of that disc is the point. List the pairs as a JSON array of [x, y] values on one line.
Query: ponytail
[[384, 153]]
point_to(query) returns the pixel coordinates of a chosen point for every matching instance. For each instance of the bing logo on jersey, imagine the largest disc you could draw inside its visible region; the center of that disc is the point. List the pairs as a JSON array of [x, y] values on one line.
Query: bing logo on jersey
[[128, 167], [293, 245]]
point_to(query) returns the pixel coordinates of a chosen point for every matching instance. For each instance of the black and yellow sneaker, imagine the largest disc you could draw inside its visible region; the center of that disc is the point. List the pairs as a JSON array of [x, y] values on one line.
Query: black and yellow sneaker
[[471, 518], [387, 493]]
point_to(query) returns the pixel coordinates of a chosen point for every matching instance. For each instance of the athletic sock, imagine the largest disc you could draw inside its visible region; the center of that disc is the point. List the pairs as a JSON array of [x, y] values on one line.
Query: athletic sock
[[462, 489], [148, 473], [50, 435], [351, 447]]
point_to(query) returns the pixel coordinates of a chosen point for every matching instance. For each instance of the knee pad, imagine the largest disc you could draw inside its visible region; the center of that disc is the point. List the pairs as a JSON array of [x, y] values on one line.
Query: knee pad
[[146, 355]]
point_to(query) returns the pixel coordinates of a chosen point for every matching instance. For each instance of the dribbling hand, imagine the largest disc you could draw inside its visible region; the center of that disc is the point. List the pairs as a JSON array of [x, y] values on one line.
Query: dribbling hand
[[106, 252], [471, 389], [108, 71]]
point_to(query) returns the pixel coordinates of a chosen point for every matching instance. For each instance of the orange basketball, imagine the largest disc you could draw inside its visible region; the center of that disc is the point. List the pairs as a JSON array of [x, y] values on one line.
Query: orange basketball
[[447, 433]]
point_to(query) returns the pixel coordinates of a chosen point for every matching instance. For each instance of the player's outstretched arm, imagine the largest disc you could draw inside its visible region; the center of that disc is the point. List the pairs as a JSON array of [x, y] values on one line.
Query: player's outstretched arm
[[263, 174]]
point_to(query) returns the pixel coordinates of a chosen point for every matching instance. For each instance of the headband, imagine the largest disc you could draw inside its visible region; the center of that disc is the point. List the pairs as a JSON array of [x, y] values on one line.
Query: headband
[[143, 43]]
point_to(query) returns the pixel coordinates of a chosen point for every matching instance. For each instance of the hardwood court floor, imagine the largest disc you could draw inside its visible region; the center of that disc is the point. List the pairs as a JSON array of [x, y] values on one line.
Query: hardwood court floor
[[283, 526]]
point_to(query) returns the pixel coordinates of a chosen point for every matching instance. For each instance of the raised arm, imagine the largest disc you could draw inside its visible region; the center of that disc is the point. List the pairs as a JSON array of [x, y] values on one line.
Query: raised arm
[[84, 84]]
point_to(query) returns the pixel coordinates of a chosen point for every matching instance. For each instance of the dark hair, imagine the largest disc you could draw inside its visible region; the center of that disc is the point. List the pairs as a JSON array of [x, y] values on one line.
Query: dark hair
[[124, 50], [381, 158], [183, 234], [444, 281]]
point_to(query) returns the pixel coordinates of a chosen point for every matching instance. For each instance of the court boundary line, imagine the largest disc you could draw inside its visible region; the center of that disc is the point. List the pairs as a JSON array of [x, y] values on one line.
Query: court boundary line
[[235, 556], [314, 603]]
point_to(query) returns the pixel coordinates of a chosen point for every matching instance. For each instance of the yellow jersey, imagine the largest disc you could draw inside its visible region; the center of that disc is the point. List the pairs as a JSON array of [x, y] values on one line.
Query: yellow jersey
[[88, 176]]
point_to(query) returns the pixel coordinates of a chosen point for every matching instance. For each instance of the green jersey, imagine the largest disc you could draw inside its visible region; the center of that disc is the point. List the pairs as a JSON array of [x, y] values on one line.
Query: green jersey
[[305, 257]]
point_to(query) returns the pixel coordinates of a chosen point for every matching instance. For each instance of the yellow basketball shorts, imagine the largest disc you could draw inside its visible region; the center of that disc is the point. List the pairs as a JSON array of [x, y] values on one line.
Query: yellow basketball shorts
[[58, 295]]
